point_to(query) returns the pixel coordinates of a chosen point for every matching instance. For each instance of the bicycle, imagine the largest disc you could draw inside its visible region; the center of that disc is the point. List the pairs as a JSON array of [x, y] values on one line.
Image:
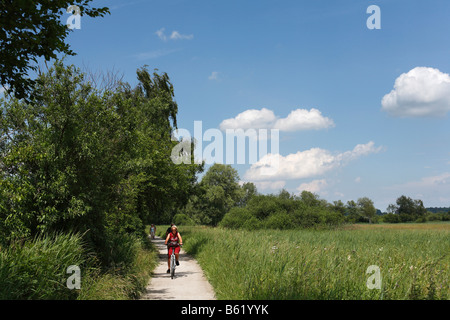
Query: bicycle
[[173, 264]]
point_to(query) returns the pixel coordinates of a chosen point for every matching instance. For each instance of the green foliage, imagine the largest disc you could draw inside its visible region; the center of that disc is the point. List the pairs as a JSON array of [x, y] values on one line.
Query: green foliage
[[442, 216], [238, 218], [183, 219], [37, 269], [406, 210], [283, 211], [367, 209], [220, 200], [79, 160], [34, 29], [76, 159], [215, 195], [391, 218]]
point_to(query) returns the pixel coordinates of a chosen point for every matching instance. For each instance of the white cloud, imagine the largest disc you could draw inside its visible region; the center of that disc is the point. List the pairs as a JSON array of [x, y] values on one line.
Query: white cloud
[[302, 119], [314, 186], [339, 194], [161, 35], [174, 36], [177, 36], [305, 164], [420, 92], [299, 119], [214, 76], [269, 185], [433, 190], [430, 182], [250, 119]]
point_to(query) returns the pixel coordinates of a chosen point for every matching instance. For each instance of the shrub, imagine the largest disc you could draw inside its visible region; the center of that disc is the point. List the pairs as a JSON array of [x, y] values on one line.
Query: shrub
[[121, 251], [183, 219], [391, 218], [237, 218], [279, 220], [262, 206]]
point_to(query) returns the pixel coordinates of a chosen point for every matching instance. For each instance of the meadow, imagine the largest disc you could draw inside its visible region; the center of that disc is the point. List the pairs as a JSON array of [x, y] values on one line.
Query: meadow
[[413, 259]]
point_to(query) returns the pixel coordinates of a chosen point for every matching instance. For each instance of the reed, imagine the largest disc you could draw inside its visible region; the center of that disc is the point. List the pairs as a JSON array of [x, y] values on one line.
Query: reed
[[329, 264]]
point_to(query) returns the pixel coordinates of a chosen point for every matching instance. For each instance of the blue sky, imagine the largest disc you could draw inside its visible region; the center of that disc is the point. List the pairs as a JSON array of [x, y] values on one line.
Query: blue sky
[[231, 58]]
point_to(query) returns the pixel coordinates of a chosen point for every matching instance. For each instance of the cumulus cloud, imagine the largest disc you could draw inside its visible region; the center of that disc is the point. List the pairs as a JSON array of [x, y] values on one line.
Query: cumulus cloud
[[270, 185], [305, 164], [299, 119], [250, 119], [314, 186], [302, 119], [421, 92]]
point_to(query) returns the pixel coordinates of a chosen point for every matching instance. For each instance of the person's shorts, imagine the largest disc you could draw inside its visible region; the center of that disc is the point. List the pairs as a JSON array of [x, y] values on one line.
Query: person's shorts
[[177, 250]]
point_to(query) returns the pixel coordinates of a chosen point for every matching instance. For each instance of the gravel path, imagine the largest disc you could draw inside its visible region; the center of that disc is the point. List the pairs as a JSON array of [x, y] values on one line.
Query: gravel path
[[189, 282]]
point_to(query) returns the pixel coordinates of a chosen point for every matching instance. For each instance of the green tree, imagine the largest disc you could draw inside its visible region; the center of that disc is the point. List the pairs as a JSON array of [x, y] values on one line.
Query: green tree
[[367, 209], [221, 191], [408, 209], [352, 212], [31, 29], [310, 199], [80, 160], [339, 207]]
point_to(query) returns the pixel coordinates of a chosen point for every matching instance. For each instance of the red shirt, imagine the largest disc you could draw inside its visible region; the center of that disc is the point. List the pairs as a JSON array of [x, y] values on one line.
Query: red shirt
[[173, 240]]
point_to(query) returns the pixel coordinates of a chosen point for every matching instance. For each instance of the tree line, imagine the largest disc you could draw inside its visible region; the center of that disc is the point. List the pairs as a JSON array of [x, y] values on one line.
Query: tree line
[[219, 199]]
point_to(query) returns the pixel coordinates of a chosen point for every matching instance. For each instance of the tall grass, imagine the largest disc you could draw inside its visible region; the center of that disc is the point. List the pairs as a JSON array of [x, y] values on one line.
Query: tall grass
[[133, 261], [330, 264], [37, 269]]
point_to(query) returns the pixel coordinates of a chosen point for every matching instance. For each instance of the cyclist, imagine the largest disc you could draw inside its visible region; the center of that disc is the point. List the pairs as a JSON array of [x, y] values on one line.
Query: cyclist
[[152, 231], [169, 229], [174, 241]]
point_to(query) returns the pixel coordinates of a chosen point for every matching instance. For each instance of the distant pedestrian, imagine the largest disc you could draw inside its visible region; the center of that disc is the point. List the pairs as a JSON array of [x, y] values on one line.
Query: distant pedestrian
[[152, 231]]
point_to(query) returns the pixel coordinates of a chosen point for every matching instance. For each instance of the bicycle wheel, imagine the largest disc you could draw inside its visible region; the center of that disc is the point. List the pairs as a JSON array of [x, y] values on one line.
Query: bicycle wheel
[[172, 266]]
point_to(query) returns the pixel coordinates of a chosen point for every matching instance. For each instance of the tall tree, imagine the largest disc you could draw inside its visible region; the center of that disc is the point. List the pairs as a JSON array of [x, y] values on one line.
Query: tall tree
[[32, 29], [408, 209], [249, 190], [367, 209], [217, 193], [76, 159]]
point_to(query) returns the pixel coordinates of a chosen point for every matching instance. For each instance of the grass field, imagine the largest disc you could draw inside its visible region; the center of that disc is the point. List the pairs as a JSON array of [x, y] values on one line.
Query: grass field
[[413, 259]]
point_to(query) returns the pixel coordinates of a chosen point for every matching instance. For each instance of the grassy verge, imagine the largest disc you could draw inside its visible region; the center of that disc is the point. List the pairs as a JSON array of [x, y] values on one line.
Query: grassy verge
[[37, 269], [123, 282], [414, 262]]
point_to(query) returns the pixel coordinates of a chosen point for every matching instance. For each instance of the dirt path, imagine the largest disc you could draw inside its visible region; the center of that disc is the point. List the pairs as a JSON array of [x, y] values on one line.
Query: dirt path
[[189, 282]]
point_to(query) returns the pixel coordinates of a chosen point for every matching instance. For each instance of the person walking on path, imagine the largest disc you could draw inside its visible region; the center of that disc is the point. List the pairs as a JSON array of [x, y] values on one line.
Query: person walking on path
[[152, 231]]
